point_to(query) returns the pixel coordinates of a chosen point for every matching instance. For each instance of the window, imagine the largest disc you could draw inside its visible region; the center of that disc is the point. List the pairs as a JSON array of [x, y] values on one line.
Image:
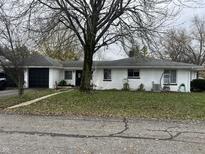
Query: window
[[68, 75], [107, 74], [133, 74], [170, 77]]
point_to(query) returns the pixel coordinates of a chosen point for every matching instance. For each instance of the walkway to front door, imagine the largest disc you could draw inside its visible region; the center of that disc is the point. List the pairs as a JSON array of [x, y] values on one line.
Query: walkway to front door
[[37, 99]]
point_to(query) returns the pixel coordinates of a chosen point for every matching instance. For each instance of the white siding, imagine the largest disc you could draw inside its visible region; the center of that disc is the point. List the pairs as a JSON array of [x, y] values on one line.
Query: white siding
[[183, 77], [117, 76], [26, 82], [55, 75], [193, 75], [147, 77]]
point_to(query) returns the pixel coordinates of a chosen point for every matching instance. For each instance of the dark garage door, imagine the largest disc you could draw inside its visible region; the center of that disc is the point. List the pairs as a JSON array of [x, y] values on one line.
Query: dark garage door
[[38, 77]]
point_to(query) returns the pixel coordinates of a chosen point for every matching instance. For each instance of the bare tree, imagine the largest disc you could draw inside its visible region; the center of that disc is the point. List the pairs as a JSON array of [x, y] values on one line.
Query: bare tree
[[185, 46], [173, 45], [98, 23], [61, 45], [12, 47], [134, 46]]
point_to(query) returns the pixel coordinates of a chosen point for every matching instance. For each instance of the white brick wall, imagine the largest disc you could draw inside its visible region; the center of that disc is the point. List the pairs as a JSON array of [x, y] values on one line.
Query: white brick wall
[[147, 77]]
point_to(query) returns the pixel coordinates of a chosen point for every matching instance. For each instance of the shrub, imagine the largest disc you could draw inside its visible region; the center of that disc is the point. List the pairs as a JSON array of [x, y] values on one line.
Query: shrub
[[126, 86], [62, 83], [198, 85], [141, 87]]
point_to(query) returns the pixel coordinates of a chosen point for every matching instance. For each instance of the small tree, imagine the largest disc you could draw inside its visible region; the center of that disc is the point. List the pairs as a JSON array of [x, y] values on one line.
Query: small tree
[[12, 48], [12, 64], [138, 52]]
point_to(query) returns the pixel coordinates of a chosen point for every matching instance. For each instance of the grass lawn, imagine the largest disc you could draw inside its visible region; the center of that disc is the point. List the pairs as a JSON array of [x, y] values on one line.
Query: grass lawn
[[29, 95], [122, 104]]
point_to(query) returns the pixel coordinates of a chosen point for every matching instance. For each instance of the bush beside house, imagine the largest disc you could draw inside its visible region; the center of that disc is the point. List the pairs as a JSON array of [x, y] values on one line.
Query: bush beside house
[[198, 85], [62, 83]]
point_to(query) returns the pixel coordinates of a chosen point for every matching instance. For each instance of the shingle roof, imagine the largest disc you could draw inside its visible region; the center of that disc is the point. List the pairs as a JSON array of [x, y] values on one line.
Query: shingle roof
[[140, 62], [39, 60], [134, 62], [73, 63]]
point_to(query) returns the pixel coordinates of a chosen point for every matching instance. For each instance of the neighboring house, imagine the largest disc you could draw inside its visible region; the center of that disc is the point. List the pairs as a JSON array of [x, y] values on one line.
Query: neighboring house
[[42, 71]]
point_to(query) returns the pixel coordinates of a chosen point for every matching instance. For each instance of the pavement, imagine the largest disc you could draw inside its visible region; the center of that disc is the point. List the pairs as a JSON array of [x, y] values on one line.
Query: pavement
[[37, 100], [10, 92], [20, 134]]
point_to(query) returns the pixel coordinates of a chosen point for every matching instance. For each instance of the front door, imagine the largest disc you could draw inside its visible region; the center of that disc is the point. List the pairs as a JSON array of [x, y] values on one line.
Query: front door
[[78, 77]]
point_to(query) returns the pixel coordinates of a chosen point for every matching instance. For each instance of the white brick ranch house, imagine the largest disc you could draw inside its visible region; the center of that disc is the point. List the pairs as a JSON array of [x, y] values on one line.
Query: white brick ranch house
[[42, 71]]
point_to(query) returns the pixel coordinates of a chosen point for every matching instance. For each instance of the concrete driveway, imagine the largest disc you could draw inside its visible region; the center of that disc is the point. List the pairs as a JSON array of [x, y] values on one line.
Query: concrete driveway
[[36, 134], [10, 92]]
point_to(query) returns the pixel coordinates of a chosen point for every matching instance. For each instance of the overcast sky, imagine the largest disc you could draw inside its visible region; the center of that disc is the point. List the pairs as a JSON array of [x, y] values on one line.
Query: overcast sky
[[187, 14], [182, 21]]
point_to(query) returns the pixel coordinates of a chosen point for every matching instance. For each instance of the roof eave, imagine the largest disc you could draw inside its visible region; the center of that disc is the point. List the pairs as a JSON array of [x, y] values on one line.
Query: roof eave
[[54, 67], [197, 68]]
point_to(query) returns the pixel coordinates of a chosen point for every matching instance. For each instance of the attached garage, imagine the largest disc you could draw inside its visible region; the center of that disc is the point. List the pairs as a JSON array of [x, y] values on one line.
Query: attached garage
[[38, 78]]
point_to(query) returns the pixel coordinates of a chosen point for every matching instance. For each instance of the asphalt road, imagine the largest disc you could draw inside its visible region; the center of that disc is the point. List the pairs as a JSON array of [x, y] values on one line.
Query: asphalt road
[[42, 135]]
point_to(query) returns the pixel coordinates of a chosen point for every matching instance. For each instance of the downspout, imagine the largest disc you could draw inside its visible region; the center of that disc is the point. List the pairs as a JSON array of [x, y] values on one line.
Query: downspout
[[161, 80]]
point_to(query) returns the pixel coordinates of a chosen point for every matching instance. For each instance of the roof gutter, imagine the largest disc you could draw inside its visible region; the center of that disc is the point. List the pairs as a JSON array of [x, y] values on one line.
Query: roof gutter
[[155, 67], [197, 68]]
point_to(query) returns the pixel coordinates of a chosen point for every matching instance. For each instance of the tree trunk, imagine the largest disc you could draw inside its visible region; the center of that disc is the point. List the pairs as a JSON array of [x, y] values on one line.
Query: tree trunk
[[20, 84], [87, 70], [20, 91]]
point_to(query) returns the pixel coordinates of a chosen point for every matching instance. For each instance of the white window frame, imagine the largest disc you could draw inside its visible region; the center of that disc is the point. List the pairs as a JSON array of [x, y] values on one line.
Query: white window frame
[[133, 77], [169, 74], [110, 79], [71, 75]]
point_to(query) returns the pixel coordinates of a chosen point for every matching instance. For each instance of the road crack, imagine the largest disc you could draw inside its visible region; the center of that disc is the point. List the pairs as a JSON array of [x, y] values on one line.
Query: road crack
[[125, 121], [90, 136], [172, 137], [177, 133]]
